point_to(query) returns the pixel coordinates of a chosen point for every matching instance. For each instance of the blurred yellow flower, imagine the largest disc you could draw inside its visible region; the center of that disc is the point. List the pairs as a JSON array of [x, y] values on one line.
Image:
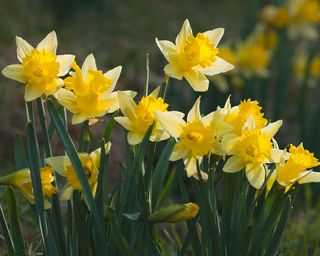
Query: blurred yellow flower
[[294, 168], [40, 68], [251, 150], [21, 179], [194, 57], [88, 92], [274, 16], [91, 165], [197, 137], [138, 118]]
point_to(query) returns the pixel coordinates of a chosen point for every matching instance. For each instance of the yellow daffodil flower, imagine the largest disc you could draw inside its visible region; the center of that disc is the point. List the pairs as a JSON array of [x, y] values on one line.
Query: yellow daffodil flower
[[197, 137], [274, 16], [305, 15], [40, 68], [251, 150], [91, 165], [194, 57], [88, 92], [237, 116], [139, 117], [21, 179], [295, 167]]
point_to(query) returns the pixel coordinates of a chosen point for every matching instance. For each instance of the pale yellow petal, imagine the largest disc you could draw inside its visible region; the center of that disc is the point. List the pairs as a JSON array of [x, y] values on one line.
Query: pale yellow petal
[[14, 72], [215, 35], [184, 33], [194, 113], [32, 92], [233, 164], [95, 155], [134, 138], [58, 163], [171, 123], [88, 64], [113, 74], [311, 177], [173, 71], [167, 48], [49, 43], [127, 105], [179, 152], [191, 165], [256, 175], [78, 118], [158, 134], [67, 99], [66, 193], [272, 128], [125, 122], [217, 67], [23, 48], [65, 62], [155, 92], [197, 80]]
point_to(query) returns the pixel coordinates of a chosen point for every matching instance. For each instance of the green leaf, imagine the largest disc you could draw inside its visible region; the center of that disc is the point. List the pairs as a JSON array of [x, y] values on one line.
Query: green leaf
[[19, 153], [109, 126], [74, 158], [33, 157], [6, 233], [14, 220], [160, 173]]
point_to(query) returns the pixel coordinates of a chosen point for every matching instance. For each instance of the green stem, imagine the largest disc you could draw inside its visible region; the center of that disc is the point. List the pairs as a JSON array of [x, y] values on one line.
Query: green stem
[[6, 233], [146, 87]]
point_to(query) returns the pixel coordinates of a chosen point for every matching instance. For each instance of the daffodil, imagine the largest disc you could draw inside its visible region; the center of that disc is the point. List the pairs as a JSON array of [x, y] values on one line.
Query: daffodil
[[194, 57], [251, 150], [237, 116], [40, 68], [275, 16], [91, 164], [197, 137], [88, 92], [305, 16], [21, 179], [139, 117], [296, 167]]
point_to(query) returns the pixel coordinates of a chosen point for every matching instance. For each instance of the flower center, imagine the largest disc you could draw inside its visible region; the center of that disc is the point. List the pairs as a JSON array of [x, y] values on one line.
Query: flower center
[[40, 67], [97, 82], [90, 171], [254, 147], [199, 139], [199, 51]]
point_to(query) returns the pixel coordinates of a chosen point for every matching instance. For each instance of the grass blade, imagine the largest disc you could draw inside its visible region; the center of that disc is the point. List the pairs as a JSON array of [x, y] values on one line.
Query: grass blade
[[6, 233]]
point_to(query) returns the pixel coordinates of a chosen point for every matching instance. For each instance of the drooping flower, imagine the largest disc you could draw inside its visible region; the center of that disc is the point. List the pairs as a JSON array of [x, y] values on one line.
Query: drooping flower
[[197, 137], [40, 68], [139, 117], [91, 165], [251, 150], [296, 167], [88, 92], [21, 179], [194, 57]]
